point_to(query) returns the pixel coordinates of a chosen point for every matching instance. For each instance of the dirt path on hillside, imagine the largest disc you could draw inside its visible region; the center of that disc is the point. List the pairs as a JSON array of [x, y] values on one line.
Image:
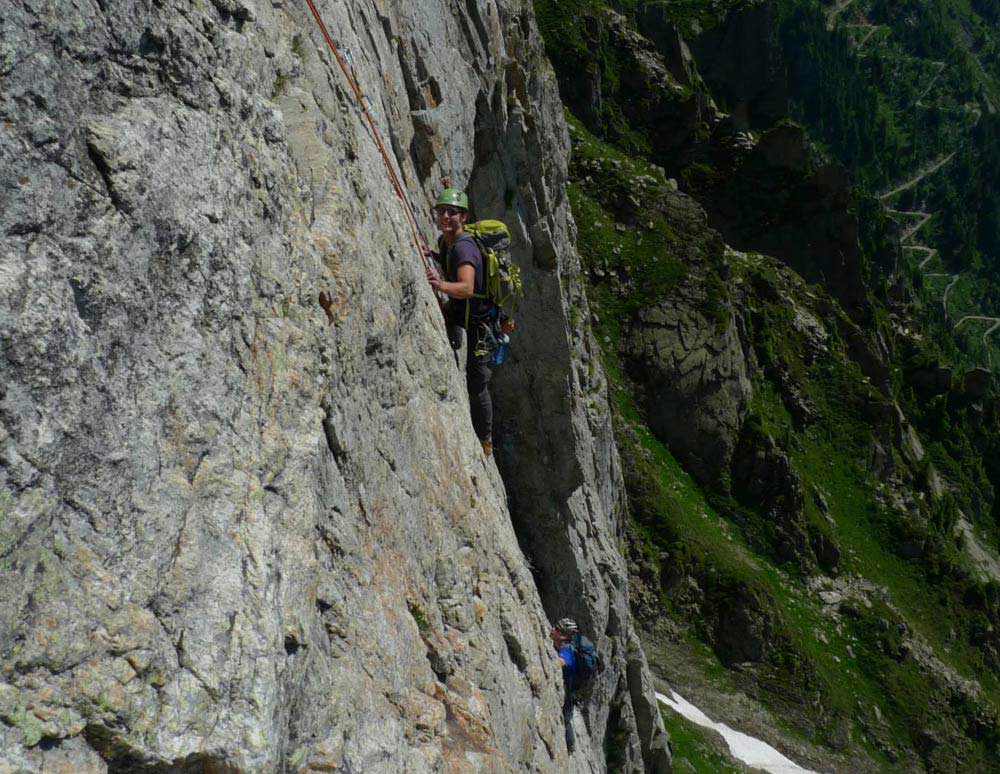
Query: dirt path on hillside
[[941, 68], [994, 320], [908, 233], [931, 252], [929, 169], [944, 296], [872, 29], [832, 13], [944, 299], [933, 167]]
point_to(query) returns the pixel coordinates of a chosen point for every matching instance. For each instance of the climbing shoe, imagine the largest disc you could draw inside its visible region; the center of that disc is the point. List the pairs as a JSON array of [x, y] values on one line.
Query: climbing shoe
[[487, 447]]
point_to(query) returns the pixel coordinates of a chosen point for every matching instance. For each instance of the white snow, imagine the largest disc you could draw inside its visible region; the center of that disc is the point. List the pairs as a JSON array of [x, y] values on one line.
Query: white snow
[[747, 749]]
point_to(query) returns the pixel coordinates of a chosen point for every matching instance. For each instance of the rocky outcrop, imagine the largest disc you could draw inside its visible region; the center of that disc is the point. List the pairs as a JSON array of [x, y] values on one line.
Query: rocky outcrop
[[741, 60], [976, 383], [686, 359], [247, 531], [765, 197], [762, 475], [660, 86], [740, 626], [627, 79], [758, 178], [930, 380]]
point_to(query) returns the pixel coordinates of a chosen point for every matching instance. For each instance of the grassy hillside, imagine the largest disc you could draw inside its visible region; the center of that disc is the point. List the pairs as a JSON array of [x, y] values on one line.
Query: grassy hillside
[[848, 582]]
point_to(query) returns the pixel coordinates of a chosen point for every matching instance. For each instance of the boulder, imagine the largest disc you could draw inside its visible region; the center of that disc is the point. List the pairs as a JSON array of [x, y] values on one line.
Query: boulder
[[930, 380], [977, 382], [741, 628]]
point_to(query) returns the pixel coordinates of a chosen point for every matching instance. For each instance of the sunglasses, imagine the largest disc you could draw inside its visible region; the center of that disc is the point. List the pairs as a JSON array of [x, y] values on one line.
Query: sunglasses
[[450, 211]]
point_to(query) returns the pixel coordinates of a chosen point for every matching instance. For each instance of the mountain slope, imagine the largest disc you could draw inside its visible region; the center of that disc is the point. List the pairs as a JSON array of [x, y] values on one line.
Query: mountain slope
[[801, 465]]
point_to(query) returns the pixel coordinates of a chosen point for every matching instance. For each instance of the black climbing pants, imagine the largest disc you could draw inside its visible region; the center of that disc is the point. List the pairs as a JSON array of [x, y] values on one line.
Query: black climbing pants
[[568, 720], [477, 377]]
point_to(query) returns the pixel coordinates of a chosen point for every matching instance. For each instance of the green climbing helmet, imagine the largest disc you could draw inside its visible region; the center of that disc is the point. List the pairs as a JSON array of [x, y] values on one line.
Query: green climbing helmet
[[454, 197]]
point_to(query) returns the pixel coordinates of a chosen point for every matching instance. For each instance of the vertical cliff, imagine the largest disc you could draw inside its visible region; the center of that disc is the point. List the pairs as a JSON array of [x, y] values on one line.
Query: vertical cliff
[[242, 531]]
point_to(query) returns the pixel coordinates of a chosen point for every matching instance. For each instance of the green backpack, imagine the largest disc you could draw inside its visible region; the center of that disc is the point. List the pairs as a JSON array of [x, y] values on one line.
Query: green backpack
[[503, 276]]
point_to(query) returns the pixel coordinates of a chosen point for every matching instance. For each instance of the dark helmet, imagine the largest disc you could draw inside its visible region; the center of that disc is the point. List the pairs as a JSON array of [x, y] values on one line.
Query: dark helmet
[[567, 626]]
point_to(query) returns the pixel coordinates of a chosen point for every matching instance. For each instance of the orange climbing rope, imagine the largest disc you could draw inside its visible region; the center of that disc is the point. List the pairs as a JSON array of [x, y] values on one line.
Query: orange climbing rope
[[419, 242]]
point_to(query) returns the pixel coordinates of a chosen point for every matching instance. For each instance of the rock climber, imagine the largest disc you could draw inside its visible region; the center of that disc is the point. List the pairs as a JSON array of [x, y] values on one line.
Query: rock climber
[[468, 307], [562, 637]]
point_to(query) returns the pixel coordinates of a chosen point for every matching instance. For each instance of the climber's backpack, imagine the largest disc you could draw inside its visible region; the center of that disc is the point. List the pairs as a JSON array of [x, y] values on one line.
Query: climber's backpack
[[503, 276], [586, 659]]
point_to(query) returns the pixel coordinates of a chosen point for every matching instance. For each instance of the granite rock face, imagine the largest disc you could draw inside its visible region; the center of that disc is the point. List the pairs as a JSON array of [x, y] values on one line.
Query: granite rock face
[[689, 369], [245, 531]]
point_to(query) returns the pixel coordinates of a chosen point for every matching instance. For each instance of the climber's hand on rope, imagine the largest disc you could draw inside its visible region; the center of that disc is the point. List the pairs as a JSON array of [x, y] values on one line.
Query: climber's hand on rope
[[433, 278]]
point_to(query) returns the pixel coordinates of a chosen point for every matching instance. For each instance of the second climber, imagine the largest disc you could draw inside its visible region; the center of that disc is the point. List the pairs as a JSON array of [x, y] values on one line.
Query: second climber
[[468, 307]]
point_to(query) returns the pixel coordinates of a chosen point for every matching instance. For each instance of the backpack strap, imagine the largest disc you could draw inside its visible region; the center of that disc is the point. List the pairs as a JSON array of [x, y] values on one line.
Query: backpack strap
[[484, 269]]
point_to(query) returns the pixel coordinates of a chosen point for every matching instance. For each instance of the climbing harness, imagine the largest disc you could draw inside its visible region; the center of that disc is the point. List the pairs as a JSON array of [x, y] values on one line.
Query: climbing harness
[[418, 241]]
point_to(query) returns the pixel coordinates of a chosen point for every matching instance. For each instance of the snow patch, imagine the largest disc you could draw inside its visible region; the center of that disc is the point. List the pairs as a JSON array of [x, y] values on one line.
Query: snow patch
[[743, 747]]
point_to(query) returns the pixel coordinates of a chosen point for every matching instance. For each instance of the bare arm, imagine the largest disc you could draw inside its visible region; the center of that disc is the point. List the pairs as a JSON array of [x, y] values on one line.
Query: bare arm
[[464, 288]]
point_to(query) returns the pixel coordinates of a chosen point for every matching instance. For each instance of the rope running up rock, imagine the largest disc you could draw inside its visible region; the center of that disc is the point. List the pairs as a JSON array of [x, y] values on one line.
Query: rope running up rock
[[418, 241]]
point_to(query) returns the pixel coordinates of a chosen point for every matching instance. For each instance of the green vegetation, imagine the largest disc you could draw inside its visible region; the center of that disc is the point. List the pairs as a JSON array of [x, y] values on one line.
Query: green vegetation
[[697, 749], [281, 82], [420, 619], [634, 242], [833, 95], [842, 500], [732, 556], [576, 31], [682, 533], [924, 86]]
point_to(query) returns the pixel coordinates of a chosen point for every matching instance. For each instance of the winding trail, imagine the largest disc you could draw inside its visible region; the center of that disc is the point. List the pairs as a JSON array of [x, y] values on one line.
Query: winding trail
[[931, 252], [941, 68], [944, 298], [994, 320], [928, 170], [922, 217], [872, 29], [908, 233], [838, 8]]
